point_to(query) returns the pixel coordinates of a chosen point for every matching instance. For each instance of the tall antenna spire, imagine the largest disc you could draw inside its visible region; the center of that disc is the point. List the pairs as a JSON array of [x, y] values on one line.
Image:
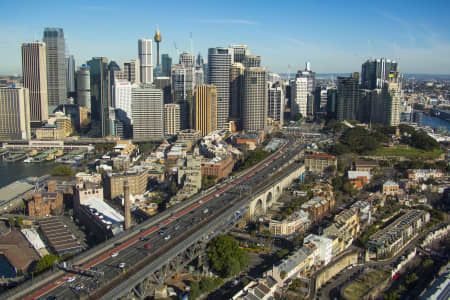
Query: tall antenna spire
[[191, 42]]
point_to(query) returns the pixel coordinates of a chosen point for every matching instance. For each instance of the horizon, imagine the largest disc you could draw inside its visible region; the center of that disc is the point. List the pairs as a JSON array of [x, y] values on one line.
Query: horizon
[[335, 39]]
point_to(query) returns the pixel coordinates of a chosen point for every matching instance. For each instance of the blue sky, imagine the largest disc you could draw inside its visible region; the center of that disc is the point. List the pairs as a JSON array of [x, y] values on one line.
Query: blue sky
[[335, 36]]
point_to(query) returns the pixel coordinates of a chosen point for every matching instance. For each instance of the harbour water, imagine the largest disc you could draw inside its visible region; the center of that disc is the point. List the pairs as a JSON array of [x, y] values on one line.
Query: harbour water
[[434, 122], [12, 171]]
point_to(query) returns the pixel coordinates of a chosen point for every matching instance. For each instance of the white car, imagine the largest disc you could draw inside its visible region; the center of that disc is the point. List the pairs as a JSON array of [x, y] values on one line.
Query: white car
[[167, 237], [121, 265], [70, 279], [114, 254]]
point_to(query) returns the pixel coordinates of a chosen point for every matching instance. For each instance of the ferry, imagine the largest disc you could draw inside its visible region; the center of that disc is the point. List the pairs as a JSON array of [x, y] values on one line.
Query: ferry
[[28, 160], [11, 157]]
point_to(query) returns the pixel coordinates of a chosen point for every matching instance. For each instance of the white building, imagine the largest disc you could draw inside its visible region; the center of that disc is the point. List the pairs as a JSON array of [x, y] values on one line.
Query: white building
[[122, 96], [131, 70], [147, 113], [15, 113], [323, 244], [171, 118], [299, 96], [145, 52]]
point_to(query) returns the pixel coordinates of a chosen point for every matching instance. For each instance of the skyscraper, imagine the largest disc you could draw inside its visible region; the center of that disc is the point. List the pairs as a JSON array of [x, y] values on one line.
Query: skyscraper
[[205, 108], [375, 72], [122, 98], [392, 95], [275, 110], [236, 76], [299, 96], [84, 86], [70, 75], [254, 102], [252, 61], [14, 113], [219, 65], [183, 88], [163, 83], [239, 52], [34, 72], [131, 69], [199, 77], [187, 59], [148, 113], [98, 68], [171, 118], [56, 67], [311, 85], [331, 103], [166, 65], [348, 95], [145, 52]]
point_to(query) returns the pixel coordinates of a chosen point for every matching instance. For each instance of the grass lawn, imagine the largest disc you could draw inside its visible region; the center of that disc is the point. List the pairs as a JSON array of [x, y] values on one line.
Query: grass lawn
[[363, 284], [410, 152]]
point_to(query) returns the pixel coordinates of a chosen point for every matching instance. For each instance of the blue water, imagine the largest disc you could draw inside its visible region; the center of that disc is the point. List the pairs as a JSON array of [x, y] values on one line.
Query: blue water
[[434, 122], [6, 270]]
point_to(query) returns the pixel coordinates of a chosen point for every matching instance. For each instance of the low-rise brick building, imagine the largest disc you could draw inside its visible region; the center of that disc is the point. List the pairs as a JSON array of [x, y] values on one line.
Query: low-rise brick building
[[318, 162], [219, 167], [46, 202]]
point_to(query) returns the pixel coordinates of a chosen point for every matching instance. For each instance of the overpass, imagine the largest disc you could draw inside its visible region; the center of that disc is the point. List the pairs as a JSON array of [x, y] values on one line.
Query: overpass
[[187, 229]]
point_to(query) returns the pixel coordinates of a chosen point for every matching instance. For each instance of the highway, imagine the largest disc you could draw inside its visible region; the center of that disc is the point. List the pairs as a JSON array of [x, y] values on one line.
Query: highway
[[150, 241]]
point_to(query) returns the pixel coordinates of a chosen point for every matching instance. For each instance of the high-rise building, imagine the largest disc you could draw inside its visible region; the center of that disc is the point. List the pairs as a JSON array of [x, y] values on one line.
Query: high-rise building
[[131, 69], [236, 76], [252, 61], [331, 103], [183, 85], [145, 52], [114, 74], [219, 65], [375, 72], [239, 52], [254, 101], [187, 59], [299, 96], [199, 77], [70, 75], [311, 85], [317, 99], [166, 65], [14, 113], [56, 66], [34, 72], [275, 102], [84, 86], [148, 113], [348, 95], [171, 119], [163, 83], [122, 98], [392, 96], [98, 68], [205, 108], [273, 77]]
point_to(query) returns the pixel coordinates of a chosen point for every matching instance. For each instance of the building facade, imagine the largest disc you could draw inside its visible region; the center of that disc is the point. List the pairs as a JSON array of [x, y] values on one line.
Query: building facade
[[171, 119], [145, 53], [299, 96], [318, 162], [147, 113], [70, 75], [275, 105], [15, 113], [218, 167], [375, 72], [131, 70], [205, 109], [84, 87], [254, 104], [236, 78], [348, 95]]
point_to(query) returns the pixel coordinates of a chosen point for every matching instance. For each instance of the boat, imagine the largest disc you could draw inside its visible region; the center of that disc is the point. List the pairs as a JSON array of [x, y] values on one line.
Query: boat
[[15, 156], [33, 152], [28, 160]]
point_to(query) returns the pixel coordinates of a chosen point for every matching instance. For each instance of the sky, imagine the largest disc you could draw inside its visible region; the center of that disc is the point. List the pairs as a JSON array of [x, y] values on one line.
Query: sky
[[335, 36]]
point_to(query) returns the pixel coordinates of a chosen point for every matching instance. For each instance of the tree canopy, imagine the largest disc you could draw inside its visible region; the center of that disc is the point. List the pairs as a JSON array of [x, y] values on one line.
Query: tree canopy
[[63, 170], [417, 138], [225, 256]]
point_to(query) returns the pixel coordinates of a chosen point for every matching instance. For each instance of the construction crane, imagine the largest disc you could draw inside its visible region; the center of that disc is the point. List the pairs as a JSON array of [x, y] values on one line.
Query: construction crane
[[176, 48]]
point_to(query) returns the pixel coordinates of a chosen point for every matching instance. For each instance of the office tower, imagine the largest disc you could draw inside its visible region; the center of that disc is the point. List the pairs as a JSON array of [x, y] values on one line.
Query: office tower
[[183, 88], [122, 98], [331, 103], [171, 118], [166, 65], [239, 52], [348, 95], [254, 102], [199, 76], [131, 70], [163, 83], [236, 75], [311, 85], [14, 113], [84, 86], [252, 61], [147, 113], [273, 77], [317, 99], [34, 72], [299, 96], [205, 108], [187, 59], [98, 68], [114, 73], [392, 96], [158, 39], [200, 62], [145, 53], [56, 67], [374, 72], [275, 106], [70, 75], [219, 65], [127, 204]]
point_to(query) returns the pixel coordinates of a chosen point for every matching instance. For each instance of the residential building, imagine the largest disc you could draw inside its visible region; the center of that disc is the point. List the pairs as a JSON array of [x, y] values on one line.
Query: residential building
[[56, 67], [295, 223], [318, 162], [15, 113], [275, 110], [375, 72], [137, 178], [424, 174], [147, 113], [390, 188], [392, 97], [359, 178], [254, 101], [311, 85], [318, 207], [70, 75], [219, 65], [145, 53], [205, 109], [132, 71], [218, 167], [346, 227], [348, 95], [34, 72], [171, 118], [84, 86], [365, 165], [323, 244]]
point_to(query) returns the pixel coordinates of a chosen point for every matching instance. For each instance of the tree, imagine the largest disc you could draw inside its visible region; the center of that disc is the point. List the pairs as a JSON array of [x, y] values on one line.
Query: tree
[[45, 263], [11, 222], [63, 170], [195, 290], [225, 255], [19, 221], [283, 274], [173, 188]]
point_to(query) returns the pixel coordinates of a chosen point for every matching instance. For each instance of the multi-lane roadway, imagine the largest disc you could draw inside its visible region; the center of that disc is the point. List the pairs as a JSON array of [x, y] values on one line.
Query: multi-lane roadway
[[154, 238]]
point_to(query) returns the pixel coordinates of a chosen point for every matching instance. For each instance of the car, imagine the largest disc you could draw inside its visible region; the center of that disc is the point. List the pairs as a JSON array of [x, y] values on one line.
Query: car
[[177, 227], [142, 238], [167, 237], [114, 254], [200, 202], [121, 265], [147, 246], [70, 279], [160, 224], [161, 232]]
